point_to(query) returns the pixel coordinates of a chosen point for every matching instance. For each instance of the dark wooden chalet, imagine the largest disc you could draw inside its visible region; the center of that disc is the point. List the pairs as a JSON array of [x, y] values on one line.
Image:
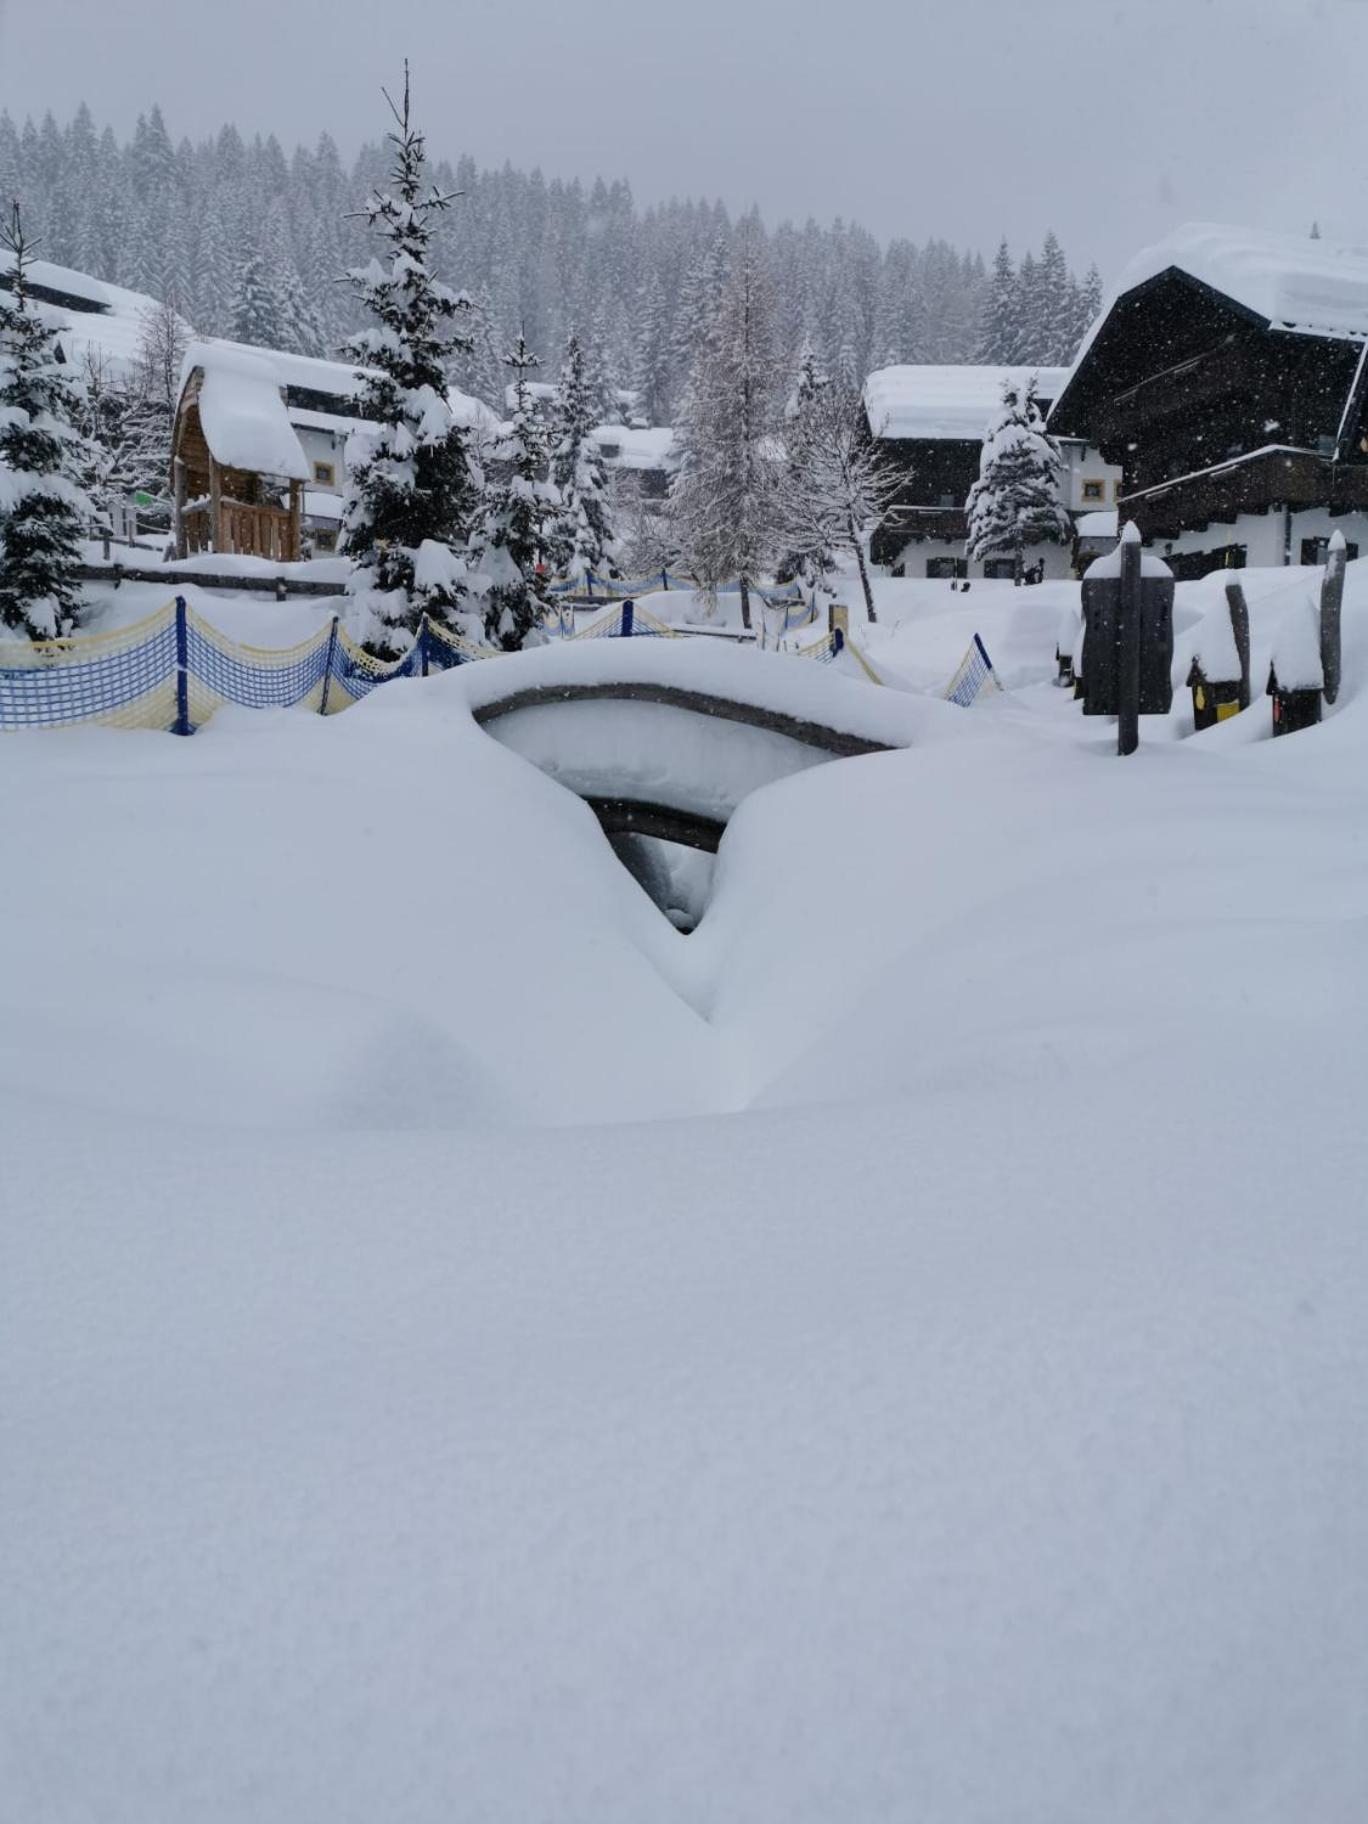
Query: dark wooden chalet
[[1227, 378], [929, 422]]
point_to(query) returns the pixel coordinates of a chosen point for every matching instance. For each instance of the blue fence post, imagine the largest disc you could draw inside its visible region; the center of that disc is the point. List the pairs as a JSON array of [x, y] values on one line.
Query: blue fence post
[[589, 584], [328, 667], [665, 580], [627, 612], [423, 647], [181, 725]]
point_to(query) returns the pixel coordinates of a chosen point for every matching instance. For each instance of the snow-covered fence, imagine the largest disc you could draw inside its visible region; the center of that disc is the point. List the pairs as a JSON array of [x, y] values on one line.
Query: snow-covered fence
[[628, 621], [173, 669], [974, 677]]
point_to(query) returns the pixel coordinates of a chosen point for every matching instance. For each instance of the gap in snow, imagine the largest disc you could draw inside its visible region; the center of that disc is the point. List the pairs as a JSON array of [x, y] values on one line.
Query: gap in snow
[[676, 878]]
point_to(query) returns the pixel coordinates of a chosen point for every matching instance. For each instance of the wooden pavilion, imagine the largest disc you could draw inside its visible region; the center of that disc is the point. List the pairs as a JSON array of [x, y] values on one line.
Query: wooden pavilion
[[238, 469]]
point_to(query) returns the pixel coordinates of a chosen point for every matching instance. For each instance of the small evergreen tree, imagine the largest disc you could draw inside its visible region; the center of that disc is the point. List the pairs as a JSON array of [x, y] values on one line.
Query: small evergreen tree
[[518, 523], [582, 533], [43, 506], [1017, 500], [412, 494]]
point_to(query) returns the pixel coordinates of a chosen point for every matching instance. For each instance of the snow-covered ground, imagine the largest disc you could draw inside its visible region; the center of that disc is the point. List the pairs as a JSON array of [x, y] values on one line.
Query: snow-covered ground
[[897, 1353]]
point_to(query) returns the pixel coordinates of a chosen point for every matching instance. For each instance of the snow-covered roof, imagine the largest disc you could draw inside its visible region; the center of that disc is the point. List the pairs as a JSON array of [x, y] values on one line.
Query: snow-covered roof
[[542, 390], [1214, 648], [242, 411], [651, 448], [337, 379], [1098, 525], [1296, 648], [113, 325], [946, 404], [321, 504], [242, 363], [1289, 280]]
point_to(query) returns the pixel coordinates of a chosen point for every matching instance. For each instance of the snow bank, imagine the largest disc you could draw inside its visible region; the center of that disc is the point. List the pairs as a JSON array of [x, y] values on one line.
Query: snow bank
[[958, 1416], [951, 403]]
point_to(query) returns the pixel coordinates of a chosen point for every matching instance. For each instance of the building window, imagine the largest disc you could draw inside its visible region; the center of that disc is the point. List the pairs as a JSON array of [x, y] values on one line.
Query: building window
[[1316, 550], [1116, 489], [946, 566], [610, 451], [999, 569], [1094, 490], [323, 541], [325, 474]]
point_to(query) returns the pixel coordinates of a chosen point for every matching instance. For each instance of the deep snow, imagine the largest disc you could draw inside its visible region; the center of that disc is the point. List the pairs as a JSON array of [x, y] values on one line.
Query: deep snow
[[469, 1351]]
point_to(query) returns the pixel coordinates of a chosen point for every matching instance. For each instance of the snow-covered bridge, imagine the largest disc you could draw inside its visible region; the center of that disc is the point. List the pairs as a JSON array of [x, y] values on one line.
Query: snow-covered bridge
[[666, 738]]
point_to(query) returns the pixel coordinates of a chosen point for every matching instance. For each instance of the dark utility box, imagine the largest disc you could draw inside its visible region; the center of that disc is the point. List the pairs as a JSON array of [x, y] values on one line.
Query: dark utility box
[[1101, 613]]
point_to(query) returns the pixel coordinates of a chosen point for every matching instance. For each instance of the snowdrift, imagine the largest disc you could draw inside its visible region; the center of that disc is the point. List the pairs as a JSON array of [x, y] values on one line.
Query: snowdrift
[[956, 1414]]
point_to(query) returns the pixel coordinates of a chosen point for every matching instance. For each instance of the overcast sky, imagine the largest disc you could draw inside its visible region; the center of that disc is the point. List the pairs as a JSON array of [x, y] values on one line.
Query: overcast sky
[[1109, 120]]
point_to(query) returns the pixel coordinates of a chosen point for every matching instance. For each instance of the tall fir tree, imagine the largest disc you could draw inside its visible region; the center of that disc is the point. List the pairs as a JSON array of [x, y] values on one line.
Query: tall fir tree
[[43, 507], [1017, 500], [412, 495], [519, 521], [1056, 309], [809, 551], [583, 533], [256, 315], [999, 337], [724, 497]]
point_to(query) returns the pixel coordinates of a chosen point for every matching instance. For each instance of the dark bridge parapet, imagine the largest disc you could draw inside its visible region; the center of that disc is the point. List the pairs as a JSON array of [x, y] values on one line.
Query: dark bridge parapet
[[833, 741], [634, 817]]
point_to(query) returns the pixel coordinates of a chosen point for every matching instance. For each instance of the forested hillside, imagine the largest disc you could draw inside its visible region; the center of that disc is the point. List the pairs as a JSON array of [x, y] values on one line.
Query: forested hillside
[[250, 240]]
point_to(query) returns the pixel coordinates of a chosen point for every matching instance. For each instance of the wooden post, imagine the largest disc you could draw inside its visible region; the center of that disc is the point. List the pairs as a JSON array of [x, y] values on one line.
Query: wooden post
[[1128, 642], [1239, 626], [1331, 601], [215, 506], [296, 522], [178, 491]]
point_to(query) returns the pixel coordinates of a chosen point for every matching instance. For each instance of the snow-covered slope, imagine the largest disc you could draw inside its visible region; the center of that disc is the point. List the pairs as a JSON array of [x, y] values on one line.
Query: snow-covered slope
[[957, 1414]]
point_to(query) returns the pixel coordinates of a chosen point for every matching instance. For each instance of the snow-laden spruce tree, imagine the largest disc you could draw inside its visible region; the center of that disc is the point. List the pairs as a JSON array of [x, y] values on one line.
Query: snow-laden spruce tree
[[999, 338], [110, 416], [808, 553], [1017, 499], [256, 314], [519, 517], [43, 507], [839, 484], [724, 500], [413, 494], [583, 532]]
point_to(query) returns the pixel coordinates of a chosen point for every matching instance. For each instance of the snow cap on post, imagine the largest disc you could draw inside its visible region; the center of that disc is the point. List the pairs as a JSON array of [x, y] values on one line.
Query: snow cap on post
[[1296, 658]]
